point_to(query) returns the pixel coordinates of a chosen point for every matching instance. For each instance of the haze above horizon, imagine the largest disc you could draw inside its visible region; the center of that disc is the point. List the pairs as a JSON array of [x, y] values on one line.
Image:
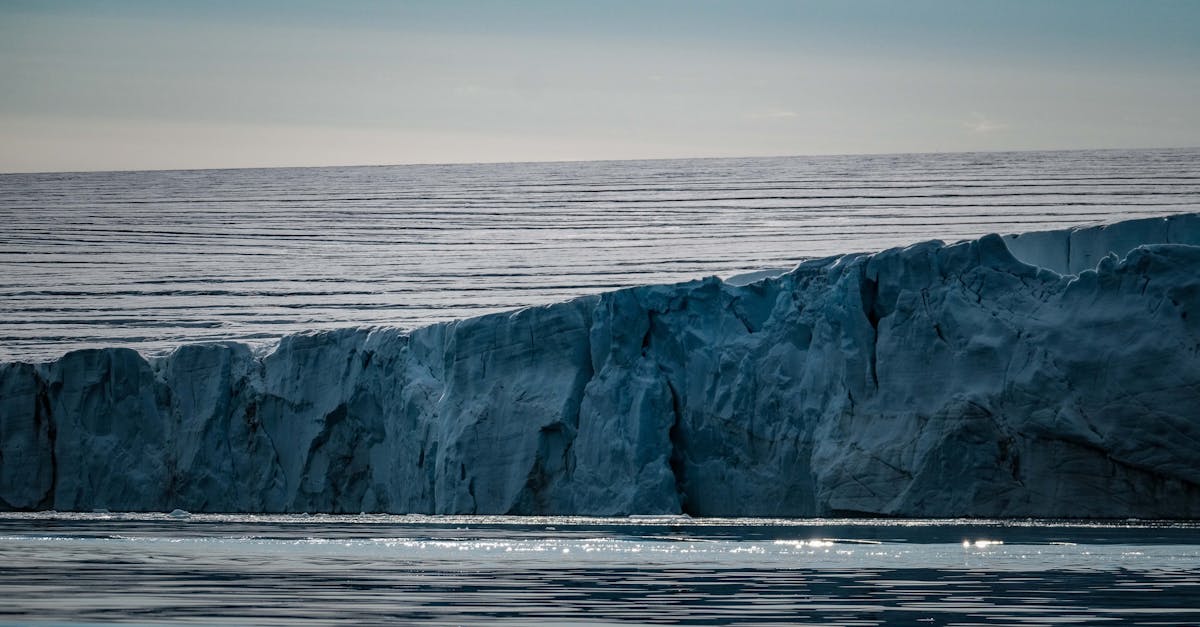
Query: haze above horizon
[[134, 84]]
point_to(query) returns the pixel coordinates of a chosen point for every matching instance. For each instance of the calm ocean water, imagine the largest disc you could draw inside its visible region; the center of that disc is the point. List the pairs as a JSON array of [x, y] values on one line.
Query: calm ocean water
[[153, 259], [164, 569]]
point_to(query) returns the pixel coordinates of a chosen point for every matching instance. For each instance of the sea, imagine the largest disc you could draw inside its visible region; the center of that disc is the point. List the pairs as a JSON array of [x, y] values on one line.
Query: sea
[[179, 568], [151, 260]]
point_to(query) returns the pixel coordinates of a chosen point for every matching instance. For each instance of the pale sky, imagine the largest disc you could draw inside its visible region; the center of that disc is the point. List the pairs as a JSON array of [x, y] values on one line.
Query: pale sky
[[129, 84]]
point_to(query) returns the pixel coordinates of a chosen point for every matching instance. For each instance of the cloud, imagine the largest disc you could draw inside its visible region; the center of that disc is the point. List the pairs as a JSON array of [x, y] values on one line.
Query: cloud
[[981, 124], [772, 114]]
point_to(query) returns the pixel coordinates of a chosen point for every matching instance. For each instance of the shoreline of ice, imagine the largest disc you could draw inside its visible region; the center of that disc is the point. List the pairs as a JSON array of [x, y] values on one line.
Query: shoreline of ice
[[858, 384]]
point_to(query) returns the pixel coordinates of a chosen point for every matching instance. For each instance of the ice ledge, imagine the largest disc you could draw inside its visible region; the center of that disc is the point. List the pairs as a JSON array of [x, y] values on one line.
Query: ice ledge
[[933, 380], [1071, 251]]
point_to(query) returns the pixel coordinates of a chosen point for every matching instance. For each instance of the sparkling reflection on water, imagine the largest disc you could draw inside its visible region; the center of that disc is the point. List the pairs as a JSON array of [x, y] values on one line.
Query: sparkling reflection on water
[[158, 569]]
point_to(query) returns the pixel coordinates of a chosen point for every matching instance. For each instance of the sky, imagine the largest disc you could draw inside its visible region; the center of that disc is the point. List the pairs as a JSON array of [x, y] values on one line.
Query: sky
[[164, 84]]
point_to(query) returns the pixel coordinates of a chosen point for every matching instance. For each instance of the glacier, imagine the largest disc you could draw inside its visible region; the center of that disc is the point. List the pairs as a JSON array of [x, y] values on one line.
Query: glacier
[[1052, 374]]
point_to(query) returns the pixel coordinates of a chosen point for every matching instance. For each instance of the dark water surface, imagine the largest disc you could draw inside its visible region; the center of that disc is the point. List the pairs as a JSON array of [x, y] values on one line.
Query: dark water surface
[[206, 569]]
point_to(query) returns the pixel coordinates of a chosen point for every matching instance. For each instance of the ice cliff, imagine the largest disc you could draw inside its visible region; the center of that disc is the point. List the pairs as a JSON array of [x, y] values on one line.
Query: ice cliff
[[933, 380]]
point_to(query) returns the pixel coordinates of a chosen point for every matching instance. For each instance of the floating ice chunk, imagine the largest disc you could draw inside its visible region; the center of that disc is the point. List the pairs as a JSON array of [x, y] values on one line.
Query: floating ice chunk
[[981, 544], [755, 276]]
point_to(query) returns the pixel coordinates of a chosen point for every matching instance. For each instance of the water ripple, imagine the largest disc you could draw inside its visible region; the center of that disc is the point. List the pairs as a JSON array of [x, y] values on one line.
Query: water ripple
[[332, 570], [132, 258]]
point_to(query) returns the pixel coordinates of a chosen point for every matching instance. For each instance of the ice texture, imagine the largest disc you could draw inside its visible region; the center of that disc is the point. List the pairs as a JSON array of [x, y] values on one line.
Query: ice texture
[[932, 380]]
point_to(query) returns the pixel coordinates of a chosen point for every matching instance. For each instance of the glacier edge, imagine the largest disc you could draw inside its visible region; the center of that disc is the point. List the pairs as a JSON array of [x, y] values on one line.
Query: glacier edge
[[931, 380]]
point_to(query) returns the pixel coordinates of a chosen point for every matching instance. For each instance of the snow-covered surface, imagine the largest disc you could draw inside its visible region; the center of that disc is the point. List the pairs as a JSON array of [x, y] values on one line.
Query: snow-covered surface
[[932, 380], [152, 260]]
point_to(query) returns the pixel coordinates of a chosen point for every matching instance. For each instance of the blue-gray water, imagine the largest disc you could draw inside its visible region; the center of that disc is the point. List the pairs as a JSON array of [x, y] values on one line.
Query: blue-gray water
[[153, 259], [163, 569]]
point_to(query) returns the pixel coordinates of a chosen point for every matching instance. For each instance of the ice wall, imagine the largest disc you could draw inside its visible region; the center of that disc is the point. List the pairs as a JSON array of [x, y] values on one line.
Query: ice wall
[[934, 380], [1070, 251]]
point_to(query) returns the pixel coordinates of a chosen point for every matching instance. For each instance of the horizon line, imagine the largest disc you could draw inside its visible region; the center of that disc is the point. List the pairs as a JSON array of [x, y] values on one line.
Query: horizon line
[[620, 160]]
